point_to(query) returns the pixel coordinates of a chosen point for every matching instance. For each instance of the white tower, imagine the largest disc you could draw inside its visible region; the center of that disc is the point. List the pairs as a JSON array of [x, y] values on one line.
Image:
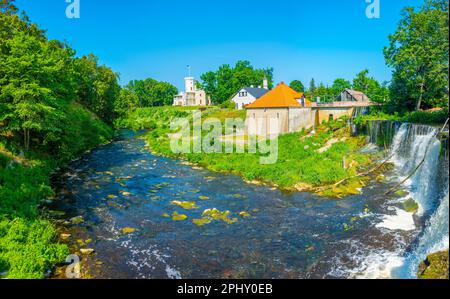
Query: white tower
[[190, 84]]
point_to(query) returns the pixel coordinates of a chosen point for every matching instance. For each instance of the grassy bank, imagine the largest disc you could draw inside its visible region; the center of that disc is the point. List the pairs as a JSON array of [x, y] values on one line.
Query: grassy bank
[[300, 165], [29, 245]]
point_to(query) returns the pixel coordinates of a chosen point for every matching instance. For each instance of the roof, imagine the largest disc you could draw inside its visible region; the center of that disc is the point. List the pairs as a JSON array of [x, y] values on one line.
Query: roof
[[256, 92], [358, 95], [280, 97]]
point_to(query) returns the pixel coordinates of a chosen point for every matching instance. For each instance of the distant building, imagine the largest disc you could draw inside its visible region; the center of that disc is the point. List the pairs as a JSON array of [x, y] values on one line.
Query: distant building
[[191, 96], [248, 95], [350, 95]]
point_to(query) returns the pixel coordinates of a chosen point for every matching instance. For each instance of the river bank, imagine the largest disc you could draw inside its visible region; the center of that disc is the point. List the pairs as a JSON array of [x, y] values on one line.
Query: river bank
[[327, 162], [29, 237], [147, 216]]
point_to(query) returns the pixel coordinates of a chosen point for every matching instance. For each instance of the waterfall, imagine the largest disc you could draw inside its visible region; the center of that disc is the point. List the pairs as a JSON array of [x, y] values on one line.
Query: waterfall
[[409, 146]]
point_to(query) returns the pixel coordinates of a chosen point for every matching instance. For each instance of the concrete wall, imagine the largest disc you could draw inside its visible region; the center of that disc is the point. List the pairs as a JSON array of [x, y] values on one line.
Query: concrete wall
[[267, 122], [272, 121], [300, 118], [325, 113]]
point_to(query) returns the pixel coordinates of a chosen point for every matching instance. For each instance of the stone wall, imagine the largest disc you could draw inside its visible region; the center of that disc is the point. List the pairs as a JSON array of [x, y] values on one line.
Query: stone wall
[[300, 118]]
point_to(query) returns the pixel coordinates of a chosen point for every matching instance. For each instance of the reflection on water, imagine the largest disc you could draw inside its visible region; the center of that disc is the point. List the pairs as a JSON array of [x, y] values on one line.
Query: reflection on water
[[280, 235]]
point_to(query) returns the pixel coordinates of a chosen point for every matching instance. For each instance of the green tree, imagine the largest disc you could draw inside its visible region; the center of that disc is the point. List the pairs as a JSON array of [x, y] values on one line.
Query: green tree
[[297, 85], [30, 98], [370, 86], [339, 85], [126, 102], [419, 55], [151, 92], [222, 84], [7, 7], [324, 93], [312, 90], [98, 87]]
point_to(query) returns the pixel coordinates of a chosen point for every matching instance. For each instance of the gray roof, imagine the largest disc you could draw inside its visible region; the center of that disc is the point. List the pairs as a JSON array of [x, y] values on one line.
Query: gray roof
[[358, 95], [256, 92]]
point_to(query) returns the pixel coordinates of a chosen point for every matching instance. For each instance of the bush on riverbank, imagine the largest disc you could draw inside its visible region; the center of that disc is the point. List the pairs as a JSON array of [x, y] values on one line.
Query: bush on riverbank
[[28, 243], [420, 117]]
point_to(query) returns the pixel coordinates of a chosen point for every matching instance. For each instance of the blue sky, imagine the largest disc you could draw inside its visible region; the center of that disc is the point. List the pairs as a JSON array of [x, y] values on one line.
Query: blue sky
[[321, 39]]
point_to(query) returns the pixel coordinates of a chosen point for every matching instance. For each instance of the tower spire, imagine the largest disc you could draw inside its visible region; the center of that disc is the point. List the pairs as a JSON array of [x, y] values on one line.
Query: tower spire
[[189, 70]]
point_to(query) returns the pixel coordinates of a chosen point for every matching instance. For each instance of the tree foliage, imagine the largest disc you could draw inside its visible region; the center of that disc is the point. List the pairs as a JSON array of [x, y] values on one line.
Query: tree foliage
[[41, 79], [419, 55], [297, 85], [151, 92], [222, 84]]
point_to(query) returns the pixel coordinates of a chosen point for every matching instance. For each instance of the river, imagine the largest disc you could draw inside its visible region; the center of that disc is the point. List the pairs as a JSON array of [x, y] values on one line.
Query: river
[[280, 235]]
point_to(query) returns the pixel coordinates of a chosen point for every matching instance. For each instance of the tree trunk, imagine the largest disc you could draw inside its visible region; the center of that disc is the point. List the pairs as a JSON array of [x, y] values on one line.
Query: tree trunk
[[26, 139], [419, 102]]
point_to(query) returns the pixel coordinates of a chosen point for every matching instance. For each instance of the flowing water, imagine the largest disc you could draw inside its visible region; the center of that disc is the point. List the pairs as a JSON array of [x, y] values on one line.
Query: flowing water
[[287, 235]]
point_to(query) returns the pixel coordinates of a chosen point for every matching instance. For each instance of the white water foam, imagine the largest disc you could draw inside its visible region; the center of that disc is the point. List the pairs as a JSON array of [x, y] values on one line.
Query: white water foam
[[402, 220]]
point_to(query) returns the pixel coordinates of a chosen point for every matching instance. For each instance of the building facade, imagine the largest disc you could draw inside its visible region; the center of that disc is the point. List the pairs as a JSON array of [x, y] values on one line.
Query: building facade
[[248, 95], [281, 110], [192, 96]]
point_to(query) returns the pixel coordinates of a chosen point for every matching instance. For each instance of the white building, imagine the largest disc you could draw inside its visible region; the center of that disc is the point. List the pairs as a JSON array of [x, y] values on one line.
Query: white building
[[191, 96], [248, 95]]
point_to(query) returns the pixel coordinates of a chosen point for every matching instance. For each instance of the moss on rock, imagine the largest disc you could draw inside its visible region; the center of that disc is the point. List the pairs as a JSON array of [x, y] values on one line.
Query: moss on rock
[[410, 206], [436, 266]]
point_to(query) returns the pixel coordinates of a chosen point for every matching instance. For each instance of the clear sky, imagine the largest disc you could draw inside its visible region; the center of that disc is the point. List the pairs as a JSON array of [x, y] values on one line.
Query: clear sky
[[300, 39]]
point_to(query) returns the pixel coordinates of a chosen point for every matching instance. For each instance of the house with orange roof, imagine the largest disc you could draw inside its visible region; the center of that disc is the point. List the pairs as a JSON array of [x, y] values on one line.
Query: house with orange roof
[[284, 110], [281, 110]]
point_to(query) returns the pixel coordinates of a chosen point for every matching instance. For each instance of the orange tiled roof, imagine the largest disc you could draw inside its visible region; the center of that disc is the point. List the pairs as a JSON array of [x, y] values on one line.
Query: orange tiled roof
[[281, 96]]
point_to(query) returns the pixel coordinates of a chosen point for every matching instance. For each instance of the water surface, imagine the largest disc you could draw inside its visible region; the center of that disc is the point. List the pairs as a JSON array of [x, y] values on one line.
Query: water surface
[[288, 235]]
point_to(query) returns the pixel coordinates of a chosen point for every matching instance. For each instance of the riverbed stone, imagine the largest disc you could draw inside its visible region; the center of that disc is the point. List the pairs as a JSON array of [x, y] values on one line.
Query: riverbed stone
[[187, 205], [87, 251], [65, 236], [178, 217], [410, 206], [244, 214], [77, 220], [128, 230]]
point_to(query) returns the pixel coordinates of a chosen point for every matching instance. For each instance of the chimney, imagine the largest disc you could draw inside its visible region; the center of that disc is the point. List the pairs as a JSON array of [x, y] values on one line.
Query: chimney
[[265, 83]]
